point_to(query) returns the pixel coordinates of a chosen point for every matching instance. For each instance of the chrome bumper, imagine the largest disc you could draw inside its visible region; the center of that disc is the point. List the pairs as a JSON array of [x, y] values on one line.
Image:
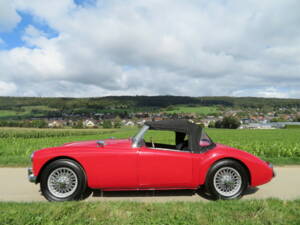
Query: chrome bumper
[[271, 166], [31, 176]]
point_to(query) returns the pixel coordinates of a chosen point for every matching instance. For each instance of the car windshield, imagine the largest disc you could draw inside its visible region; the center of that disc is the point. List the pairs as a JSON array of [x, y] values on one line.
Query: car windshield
[[138, 140], [205, 140]]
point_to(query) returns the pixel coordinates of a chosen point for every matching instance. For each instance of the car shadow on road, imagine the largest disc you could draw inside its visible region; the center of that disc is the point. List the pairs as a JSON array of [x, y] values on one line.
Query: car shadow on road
[[251, 190], [163, 193], [204, 194], [148, 193]]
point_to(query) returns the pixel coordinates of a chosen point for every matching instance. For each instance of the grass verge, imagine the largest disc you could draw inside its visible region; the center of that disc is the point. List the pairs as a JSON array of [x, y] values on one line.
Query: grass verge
[[270, 211]]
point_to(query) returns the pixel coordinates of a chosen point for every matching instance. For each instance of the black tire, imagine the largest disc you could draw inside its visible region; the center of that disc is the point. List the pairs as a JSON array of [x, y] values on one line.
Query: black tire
[[86, 194], [223, 166], [78, 192]]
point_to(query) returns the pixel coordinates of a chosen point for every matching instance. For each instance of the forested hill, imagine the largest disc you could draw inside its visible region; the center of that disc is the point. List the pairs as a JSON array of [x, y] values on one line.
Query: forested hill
[[130, 102]]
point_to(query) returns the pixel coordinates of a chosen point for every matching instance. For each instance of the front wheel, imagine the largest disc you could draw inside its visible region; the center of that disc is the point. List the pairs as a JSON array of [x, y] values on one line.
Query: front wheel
[[63, 180], [227, 179]]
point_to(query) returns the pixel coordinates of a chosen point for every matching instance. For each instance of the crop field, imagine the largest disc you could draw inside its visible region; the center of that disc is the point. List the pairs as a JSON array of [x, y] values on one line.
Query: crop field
[[269, 211], [280, 146]]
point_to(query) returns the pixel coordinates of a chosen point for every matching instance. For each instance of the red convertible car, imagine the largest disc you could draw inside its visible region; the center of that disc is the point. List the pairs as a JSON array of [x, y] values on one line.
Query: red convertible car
[[72, 171]]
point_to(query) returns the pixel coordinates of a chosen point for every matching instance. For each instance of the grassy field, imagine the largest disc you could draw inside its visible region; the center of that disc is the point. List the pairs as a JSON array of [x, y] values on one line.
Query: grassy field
[[269, 211], [278, 146], [203, 110], [25, 111]]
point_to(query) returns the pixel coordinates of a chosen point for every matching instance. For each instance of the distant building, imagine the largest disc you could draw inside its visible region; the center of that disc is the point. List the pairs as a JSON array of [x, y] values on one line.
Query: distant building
[[274, 125], [141, 123], [55, 124], [89, 123], [129, 123]]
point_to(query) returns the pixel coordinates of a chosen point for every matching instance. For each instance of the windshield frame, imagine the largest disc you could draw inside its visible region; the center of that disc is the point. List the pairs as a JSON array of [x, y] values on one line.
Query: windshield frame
[[136, 140]]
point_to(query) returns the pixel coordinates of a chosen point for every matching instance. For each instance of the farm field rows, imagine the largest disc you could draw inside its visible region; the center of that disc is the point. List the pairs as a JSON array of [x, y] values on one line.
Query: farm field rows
[[269, 211], [277, 146]]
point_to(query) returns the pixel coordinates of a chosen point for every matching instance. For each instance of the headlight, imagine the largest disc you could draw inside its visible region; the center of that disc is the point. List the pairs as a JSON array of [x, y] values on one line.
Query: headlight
[[270, 164], [31, 156]]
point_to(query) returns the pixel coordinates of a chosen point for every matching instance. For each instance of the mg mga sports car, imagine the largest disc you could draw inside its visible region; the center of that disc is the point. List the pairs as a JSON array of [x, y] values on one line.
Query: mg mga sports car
[[72, 171]]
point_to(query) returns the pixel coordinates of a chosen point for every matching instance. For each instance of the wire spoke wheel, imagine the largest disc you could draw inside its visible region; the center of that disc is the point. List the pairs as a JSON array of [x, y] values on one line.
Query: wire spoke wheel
[[62, 182], [227, 181]]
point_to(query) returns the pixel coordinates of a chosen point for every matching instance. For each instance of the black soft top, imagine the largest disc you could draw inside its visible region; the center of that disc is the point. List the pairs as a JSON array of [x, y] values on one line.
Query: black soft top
[[182, 128]]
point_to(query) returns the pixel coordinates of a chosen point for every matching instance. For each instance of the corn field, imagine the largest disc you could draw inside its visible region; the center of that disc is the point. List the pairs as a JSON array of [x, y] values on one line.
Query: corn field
[[278, 146]]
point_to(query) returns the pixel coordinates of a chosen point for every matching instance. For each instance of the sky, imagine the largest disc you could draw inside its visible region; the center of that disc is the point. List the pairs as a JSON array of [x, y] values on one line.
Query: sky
[[92, 48]]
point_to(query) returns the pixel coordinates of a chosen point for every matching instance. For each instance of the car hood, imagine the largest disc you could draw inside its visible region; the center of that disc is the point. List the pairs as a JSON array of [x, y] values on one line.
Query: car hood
[[94, 143]]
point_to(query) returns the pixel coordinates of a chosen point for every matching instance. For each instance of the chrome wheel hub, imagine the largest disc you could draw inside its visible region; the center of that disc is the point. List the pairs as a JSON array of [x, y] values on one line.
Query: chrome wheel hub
[[227, 181], [62, 182]]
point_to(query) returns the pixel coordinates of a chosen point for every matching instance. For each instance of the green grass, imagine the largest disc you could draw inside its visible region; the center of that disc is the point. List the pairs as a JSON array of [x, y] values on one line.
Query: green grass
[[258, 212], [277, 146], [24, 111], [6, 113], [204, 110]]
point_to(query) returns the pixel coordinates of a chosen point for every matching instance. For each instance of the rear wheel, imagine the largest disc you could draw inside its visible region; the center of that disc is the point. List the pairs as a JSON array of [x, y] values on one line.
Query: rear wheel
[[227, 179], [64, 180]]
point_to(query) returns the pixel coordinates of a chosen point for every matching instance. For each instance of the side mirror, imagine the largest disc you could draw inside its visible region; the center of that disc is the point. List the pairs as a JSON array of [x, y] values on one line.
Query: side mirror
[[101, 143]]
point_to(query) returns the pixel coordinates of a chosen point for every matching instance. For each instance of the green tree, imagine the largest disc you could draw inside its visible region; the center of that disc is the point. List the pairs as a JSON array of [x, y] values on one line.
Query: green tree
[[117, 122], [212, 124], [230, 122], [39, 123], [107, 124], [218, 124], [297, 119], [78, 124]]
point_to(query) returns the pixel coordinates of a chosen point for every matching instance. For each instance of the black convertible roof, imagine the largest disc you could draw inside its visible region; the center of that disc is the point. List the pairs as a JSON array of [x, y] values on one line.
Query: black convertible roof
[[175, 125], [180, 126]]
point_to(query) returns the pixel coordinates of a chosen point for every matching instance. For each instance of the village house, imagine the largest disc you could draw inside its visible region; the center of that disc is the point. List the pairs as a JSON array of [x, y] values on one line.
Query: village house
[[127, 123], [89, 123], [55, 124]]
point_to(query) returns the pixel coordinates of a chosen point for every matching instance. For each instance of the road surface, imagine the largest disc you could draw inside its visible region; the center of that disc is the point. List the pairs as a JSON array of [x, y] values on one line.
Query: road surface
[[15, 187]]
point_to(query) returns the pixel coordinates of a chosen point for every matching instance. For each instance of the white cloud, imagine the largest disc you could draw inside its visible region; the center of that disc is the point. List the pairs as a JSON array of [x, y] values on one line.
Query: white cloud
[[7, 88], [8, 16], [158, 47]]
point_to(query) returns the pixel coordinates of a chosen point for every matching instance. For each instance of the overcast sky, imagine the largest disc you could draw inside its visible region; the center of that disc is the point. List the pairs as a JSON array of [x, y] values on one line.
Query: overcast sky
[[88, 48]]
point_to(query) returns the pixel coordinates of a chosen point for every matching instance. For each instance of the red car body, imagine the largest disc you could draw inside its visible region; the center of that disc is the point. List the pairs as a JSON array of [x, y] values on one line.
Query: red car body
[[118, 165]]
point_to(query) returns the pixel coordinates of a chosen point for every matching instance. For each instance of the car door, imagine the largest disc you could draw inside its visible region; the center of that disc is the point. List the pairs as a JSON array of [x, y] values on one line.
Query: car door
[[112, 168], [164, 168]]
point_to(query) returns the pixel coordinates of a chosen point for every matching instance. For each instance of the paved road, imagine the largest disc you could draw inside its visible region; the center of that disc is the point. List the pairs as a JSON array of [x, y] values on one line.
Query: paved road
[[15, 187]]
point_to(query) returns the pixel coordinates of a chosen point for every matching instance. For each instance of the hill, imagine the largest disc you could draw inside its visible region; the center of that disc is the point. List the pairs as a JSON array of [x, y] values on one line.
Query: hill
[[28, 107]]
